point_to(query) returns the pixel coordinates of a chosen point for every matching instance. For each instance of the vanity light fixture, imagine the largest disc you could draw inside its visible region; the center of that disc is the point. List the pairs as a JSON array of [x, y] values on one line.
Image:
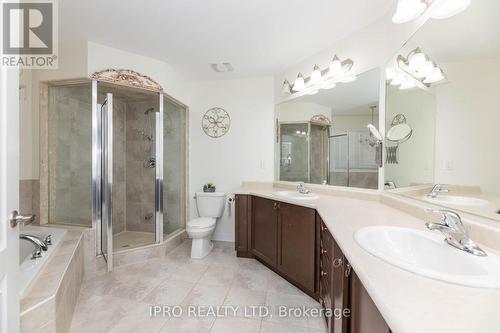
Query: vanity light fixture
[[417, 66], [408, 10], [337, 71], [299, 83]]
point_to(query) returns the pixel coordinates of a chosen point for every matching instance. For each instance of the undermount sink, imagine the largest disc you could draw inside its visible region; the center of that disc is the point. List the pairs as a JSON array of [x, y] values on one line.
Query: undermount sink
[[427, 254], [456, 200], [296, 195]]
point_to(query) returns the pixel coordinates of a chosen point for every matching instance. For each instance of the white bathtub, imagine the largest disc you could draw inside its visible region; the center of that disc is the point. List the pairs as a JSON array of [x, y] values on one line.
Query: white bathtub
[[29, 268]]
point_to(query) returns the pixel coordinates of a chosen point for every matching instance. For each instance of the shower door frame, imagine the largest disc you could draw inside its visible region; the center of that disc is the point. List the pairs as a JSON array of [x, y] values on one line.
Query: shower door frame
[[98, 187], [338, 135]]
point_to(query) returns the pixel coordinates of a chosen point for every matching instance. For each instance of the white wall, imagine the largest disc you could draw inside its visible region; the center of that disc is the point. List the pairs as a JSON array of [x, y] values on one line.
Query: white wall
[[245, 152], [416, 156], [467, 125], [301, 111], [345, 123]]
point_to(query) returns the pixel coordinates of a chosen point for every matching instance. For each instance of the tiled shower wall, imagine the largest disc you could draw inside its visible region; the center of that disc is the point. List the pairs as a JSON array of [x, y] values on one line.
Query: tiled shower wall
[[140, 179]]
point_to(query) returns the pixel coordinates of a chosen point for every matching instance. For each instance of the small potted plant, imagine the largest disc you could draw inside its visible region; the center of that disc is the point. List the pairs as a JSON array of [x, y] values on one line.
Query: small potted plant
[[209, 187]]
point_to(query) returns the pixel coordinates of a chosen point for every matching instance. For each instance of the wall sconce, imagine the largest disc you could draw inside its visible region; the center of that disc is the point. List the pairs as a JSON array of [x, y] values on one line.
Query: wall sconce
[[337, 71]]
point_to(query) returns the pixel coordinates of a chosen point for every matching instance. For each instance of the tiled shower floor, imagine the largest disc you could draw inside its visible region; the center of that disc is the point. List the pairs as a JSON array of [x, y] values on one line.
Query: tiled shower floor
[[120, 301], [130, 239]]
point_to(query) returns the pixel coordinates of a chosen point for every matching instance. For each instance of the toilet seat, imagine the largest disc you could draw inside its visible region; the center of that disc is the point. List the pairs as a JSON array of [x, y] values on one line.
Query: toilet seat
[[202, 222]]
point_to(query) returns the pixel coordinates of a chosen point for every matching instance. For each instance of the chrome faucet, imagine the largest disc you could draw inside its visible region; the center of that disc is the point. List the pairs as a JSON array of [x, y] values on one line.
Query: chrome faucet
[[301, 187], [454, 231], [39, 245], [436, 189]]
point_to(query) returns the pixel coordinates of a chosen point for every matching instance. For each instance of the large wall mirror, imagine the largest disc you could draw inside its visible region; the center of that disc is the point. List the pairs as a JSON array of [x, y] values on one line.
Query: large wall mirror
[[323, 138], [443, 113]]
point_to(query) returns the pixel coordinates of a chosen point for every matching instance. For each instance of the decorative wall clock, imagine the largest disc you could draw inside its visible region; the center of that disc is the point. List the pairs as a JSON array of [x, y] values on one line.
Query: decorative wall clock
[[216, 122]]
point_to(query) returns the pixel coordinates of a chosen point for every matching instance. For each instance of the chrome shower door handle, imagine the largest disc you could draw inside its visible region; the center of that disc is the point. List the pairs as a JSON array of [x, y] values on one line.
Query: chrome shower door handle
[[16, 219]]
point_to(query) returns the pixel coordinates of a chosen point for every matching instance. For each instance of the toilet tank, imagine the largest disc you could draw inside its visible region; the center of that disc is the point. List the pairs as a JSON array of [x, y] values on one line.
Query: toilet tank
[[210, 204]]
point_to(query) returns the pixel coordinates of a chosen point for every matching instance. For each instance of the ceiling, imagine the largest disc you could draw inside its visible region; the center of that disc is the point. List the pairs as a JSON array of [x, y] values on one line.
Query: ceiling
[[258, 37], [347, 96], [463, 37]]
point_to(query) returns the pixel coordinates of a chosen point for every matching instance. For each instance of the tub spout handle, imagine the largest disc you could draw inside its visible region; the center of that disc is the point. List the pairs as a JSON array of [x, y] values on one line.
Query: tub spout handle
[[15, 219]]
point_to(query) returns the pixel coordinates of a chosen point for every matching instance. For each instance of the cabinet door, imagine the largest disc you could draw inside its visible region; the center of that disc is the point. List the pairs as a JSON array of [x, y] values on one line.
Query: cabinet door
[[242, 203], [340, 288], [264, 230], [297, 245], [365, 317]]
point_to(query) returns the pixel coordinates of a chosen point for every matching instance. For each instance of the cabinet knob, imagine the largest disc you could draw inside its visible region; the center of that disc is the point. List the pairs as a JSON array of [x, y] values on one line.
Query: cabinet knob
[[323, 251], [275, 205], [323, 273], [321, 301], [323, 228], [337, 262]]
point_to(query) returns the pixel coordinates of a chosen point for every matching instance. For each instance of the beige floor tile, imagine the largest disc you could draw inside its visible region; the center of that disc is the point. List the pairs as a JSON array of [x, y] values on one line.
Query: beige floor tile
[[245, 299], [272, 327], [217, 275], [138, 319], [236, 324], [169, 292], [206, 295], [250, 279], [187, 325]]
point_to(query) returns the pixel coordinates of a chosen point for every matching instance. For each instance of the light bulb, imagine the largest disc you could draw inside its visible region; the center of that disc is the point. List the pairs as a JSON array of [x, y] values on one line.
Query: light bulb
[[299, 84], [408, 84], [417, 62], [316, 77], [297, 132], [435, 76], [408, 10], [448, 8], [335, 68], [286, 87]]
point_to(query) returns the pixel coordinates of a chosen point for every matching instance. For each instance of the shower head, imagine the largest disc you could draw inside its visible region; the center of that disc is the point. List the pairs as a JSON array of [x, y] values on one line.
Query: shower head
[[149, 110]]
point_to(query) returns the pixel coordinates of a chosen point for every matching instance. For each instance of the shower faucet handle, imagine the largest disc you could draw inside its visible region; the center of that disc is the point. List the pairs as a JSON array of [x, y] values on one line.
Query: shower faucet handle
[[15, 218]]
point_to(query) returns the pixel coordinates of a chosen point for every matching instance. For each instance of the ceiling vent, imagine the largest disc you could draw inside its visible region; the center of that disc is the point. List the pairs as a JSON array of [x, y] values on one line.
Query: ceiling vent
[[222, 67]]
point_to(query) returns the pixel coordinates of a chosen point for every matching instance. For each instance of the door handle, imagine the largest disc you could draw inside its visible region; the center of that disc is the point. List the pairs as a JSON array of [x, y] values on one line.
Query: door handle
[[15, 219]]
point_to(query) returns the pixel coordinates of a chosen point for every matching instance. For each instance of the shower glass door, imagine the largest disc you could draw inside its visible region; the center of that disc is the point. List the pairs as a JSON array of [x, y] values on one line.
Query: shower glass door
[[339, 160]]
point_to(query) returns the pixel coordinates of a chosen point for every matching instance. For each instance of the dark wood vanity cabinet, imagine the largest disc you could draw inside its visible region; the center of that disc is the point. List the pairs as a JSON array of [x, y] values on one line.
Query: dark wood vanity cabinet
[[297, 245], [283, 236], [294, 242]]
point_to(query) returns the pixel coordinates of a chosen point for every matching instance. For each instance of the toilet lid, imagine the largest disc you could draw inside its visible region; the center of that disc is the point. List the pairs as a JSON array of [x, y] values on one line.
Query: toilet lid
[[202, 222]]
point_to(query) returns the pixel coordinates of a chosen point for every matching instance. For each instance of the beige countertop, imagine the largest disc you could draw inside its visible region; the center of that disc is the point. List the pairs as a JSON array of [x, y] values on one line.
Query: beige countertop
[[409, 302]]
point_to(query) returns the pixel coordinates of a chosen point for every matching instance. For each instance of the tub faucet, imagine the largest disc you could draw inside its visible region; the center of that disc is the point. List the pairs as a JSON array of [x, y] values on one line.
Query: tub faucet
[[454, 231], [37, 243], [35, 240], [436, 189], [301, 187]]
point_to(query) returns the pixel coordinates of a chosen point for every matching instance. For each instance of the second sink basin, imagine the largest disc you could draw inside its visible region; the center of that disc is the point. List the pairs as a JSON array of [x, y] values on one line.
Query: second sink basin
[[456, 200], [296, 195], [427, 254]]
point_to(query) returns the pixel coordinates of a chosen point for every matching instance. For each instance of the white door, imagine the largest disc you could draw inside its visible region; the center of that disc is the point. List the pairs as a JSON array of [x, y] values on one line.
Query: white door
[[9, 199]]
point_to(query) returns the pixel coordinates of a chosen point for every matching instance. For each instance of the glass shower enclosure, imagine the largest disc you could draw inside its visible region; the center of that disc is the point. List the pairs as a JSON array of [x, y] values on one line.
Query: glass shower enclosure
[[116, 162], [138, 147]]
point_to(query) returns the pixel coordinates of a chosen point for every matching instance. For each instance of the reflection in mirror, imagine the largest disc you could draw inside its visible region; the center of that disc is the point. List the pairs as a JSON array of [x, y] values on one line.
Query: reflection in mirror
[[442, 113], [324, 139]]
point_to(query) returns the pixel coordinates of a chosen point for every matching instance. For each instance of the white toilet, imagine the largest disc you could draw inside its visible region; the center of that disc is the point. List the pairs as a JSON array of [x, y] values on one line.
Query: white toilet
[[210, 206]]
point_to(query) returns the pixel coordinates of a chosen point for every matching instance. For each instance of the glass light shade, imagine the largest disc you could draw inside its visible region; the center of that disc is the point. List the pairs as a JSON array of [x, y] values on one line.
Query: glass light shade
[[408, 10], [335, 68], [299, 83], [435, 76], [408, 84], [398, 79], [448, 8], [285, 89], [417, 62], [316, 77]]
